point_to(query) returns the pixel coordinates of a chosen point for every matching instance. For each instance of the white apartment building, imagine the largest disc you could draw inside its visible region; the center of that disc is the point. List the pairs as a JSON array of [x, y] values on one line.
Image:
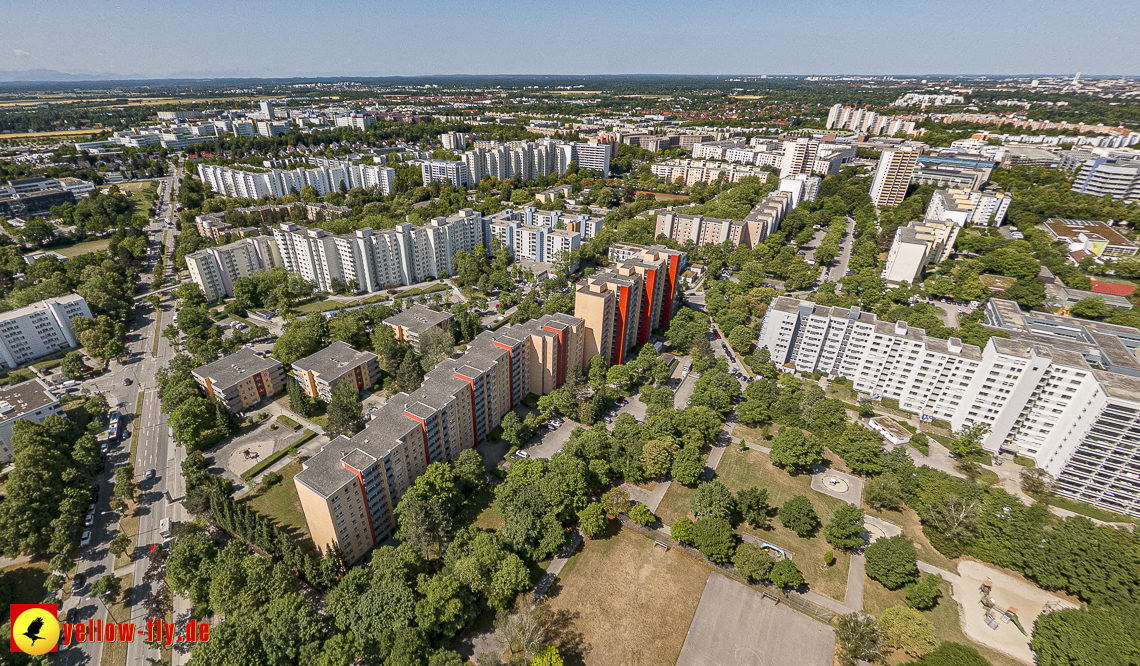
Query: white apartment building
[[370, 260], [453, 140], [799, 157], [358, 121], [917, 245], [801, 186], [215, 269], [454, 172], [705, 171], [559, 242], [968, 207], [1039, 395], [245, 184], [40, 329], [1118, 178], [531, 234]]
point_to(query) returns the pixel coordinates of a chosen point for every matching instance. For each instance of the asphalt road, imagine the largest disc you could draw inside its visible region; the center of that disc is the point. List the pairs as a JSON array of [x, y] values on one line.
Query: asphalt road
[[154, 449], [845, 249]]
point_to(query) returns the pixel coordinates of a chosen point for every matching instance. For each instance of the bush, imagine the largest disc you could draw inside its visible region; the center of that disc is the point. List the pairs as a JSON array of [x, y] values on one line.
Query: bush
[[924, 594], [715, 538], [752, 563], [592, 520], [642, 515], [271, 479], [682, 530], [829, 558], [785, 574]]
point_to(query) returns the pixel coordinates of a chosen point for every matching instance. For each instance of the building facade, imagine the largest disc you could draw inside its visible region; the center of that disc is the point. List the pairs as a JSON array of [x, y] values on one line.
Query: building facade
[[350, 489], [892, 177], [28, 401], [40, 329], [1044, 396], [319, 373], [241, 380]]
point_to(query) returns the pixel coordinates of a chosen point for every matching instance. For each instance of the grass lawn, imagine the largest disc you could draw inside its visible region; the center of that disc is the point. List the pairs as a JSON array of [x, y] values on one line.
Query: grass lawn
[[743, 469], [908, 520], [128, 523], [480, 510], [877, 598], [599, 607], [83, 248], [842, 392], [282, 504], [754, 435], [115, 653]]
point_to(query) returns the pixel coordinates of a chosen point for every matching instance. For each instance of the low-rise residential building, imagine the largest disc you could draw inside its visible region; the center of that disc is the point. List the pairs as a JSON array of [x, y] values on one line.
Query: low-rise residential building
[[241, 380], [30, 401], [410, 324], [689, 172], [962, 207], [1092, 236], [40, 329], [319, 373], [889, 429]]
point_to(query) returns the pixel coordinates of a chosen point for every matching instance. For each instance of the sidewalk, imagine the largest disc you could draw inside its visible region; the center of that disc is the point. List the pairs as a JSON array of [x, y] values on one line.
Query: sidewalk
[[556, 565]]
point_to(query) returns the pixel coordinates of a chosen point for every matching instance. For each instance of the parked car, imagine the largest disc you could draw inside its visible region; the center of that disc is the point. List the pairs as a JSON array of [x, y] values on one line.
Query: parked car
[[127, 381], [90, 520], [85, 539], [523, 454], [78, 582]]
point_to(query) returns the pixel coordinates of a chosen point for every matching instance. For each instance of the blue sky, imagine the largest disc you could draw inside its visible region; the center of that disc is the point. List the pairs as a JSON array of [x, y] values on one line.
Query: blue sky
[[379, 38]]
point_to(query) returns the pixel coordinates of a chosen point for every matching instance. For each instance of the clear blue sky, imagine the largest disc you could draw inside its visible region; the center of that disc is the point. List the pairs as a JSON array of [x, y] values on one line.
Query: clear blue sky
[[354, 38]]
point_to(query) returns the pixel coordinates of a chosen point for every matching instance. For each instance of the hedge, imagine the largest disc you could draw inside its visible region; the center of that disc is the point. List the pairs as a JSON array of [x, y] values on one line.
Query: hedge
[[285, 420], [277, 455]]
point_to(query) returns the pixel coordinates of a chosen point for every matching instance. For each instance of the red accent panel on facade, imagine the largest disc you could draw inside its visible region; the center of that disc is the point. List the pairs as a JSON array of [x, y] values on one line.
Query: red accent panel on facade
[[423, 429], [511, 372], [670, 290], [359, 377], [647, 306], [561, 368], [474, 423], [620, 329], [364, 494]]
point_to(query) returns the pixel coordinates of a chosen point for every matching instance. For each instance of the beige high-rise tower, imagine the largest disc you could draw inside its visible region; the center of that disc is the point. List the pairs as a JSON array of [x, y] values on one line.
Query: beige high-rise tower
[[892, 177]]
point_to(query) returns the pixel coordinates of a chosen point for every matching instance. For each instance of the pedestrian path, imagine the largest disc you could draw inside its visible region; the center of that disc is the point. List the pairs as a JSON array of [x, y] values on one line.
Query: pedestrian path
[[556, 565]]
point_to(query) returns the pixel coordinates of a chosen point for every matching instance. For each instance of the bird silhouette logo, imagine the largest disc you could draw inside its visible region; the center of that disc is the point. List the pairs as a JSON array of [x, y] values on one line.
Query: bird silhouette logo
[[34, 628]]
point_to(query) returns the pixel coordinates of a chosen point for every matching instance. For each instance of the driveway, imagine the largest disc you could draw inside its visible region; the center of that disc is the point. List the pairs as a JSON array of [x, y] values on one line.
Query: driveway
[[845, 249], [548, 442]]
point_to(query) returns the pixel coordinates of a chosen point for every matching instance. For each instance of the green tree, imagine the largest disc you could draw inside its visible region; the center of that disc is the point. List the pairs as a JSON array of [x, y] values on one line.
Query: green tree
[[1076, 637], [892, 562], [845, 530], [515, 431], [1090, 308], [345, 411], [785, 574], [548, 656], [73, 366], [858, 638], [120, 544], [798, 515], [125, 486], [592, 520], [109, 587], [795, 452], [752, 563], [753, 505], [883, 492], [410, 375], [924, 593], [968, 440], [715, 538], [688, 466], [908, 630], [425, 524], [712, 500], [642, 515], [657, 457], [299, 401], [682, 530]]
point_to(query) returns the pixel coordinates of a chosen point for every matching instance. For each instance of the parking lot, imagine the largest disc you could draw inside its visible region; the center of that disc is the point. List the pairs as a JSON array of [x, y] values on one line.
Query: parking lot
[[547, 442]]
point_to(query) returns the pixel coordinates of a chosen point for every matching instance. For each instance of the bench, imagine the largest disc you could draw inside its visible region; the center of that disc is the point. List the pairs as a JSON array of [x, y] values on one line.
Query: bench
[[661, 543]]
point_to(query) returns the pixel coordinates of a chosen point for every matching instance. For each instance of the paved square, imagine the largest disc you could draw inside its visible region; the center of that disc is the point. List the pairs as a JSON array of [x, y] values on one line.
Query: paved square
[[736, 626]]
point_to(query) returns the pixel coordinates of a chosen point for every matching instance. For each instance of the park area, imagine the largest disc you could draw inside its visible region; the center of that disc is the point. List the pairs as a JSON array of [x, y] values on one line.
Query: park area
[[281, 503], [623, 600], [744, 469]]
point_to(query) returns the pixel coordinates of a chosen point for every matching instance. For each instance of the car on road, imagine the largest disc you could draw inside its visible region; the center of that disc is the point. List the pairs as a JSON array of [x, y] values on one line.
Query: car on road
[[166, 496], [150, 473], [78, 582], [85, 539], [90, 520], [127, 381]]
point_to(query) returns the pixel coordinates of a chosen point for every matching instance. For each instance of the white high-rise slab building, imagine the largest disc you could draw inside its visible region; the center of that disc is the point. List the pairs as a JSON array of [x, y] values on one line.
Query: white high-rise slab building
[[243, 184], [1063, 392], [39, 329]]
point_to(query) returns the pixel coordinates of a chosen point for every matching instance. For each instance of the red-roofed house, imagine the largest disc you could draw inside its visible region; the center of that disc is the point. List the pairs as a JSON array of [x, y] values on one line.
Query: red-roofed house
[[1111, 288]]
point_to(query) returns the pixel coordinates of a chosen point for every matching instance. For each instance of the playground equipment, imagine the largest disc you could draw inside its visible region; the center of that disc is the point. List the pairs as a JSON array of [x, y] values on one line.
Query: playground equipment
[[994, 612], [836, 484], [775, 551]]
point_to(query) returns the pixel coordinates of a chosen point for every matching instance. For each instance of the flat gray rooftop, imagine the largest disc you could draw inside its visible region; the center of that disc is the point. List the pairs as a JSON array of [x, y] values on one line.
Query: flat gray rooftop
[[418, 318], [334, 360], [236, 367]]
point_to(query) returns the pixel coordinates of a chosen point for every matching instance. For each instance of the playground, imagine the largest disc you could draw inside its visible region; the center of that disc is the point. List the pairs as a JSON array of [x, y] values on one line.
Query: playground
[[991, 599]]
